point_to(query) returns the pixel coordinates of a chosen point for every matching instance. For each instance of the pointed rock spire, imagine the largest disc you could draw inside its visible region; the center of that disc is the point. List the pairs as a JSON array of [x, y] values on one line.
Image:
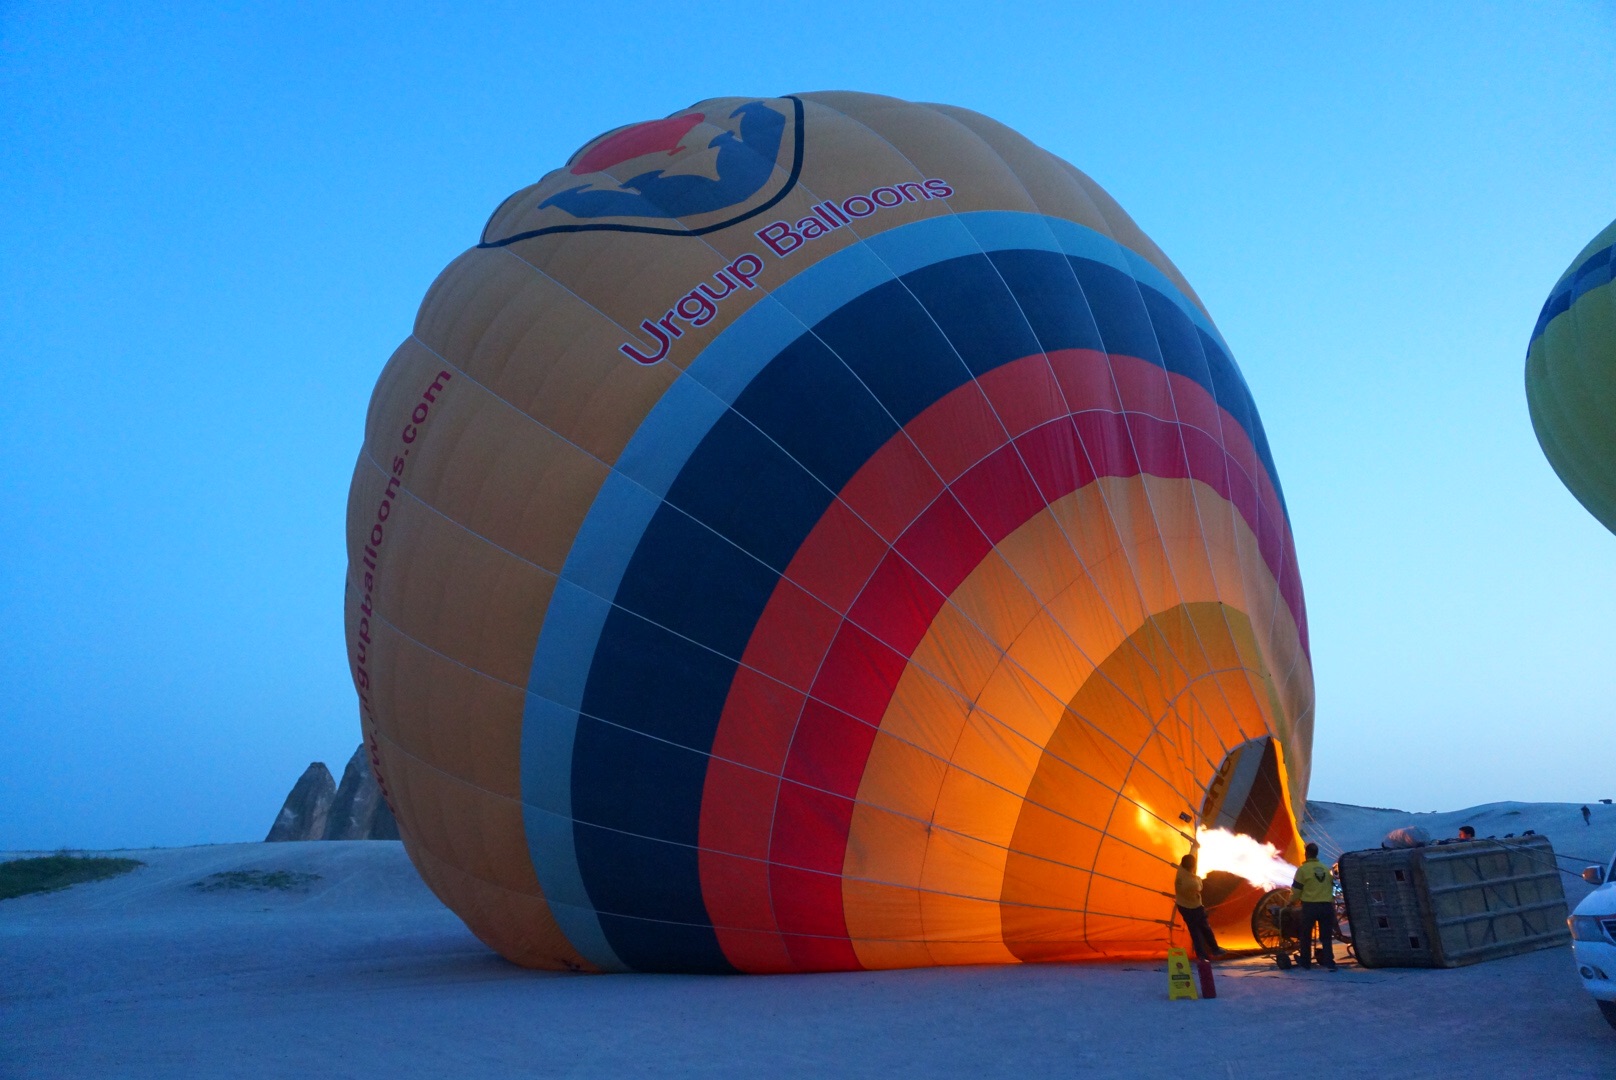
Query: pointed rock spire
[[359, 812], [304, 814]]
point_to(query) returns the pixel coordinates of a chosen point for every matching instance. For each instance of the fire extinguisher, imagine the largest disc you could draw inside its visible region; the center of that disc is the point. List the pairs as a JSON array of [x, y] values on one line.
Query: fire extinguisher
[[1203, 968]]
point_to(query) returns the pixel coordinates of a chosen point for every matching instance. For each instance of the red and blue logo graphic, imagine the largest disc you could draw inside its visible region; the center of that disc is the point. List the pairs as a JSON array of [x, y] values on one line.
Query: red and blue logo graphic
[[691, 173]]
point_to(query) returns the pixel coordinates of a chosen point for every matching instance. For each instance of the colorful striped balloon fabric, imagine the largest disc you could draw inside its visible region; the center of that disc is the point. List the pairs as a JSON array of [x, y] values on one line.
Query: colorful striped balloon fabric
[[822, 533]]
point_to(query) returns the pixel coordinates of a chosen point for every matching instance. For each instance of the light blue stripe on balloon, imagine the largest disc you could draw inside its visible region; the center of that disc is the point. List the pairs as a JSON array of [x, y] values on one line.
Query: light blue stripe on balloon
[[732, 360], [1085, 243], [692, 405], [626, 509], [561, 660], [651, 462], [829, 284], [999, 231], [924, 243], [549, 746], [1144, 271], [668, 436], [549, 724], [551, 835]]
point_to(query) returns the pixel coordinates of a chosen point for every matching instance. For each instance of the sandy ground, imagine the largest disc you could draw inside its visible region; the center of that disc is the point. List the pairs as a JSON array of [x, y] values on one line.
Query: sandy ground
[[364, 974]]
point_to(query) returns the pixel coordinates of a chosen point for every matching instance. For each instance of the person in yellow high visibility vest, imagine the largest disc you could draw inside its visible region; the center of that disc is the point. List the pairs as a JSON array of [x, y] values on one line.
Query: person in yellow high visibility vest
[[1317, 893], [1187, 893]]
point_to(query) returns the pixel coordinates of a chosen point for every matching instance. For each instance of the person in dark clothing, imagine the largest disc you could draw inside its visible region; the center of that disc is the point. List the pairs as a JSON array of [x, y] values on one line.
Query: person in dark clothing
[[1317, 893], [1586, 815], [1187, 893], [1467, 832]]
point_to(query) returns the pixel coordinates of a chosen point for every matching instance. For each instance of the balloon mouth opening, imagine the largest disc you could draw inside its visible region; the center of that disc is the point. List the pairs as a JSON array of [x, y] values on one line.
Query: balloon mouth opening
[[1248, 841]]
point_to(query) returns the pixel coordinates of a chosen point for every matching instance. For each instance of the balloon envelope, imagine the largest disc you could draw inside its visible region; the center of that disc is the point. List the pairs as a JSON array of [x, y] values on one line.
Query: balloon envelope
[[1571, 378], [821, 533]]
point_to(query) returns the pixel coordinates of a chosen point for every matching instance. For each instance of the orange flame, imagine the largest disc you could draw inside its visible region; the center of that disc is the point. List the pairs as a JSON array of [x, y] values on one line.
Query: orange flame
[[1242, 856]]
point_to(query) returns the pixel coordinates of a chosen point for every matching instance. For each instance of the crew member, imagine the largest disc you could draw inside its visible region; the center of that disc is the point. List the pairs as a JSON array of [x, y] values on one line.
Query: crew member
[[1467, 832], [1187, 890], [1314, 889]]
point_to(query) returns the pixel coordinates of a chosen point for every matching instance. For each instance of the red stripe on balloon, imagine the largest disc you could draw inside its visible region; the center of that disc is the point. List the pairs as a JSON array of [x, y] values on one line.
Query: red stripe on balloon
[[891, 596]]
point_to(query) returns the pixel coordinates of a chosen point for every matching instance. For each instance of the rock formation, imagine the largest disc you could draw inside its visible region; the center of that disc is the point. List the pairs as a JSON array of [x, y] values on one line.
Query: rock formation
[[305, 812], [359, 812], [384, 826], [318, 809]]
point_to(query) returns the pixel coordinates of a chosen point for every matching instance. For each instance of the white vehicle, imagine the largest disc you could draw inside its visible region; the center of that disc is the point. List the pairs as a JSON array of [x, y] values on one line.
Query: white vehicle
[[1593, 938]]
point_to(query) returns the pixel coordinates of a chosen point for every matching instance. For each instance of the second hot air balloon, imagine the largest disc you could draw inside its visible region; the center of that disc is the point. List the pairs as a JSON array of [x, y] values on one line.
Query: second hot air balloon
[[1571, 377]]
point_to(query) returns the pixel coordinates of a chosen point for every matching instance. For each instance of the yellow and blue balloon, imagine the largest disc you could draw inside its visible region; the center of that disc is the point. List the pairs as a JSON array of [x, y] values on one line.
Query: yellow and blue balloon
[[1571, 377]]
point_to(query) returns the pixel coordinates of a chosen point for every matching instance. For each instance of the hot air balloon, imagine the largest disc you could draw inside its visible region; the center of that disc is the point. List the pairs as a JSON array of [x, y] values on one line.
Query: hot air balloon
[[821, 533], [1571, 378]]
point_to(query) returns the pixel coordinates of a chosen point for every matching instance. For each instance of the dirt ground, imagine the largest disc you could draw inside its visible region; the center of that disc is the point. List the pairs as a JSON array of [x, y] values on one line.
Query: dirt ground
[[361, 973]]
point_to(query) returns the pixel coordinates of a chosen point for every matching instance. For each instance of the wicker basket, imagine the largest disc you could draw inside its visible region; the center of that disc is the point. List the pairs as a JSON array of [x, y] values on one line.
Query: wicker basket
[[1447, 905]]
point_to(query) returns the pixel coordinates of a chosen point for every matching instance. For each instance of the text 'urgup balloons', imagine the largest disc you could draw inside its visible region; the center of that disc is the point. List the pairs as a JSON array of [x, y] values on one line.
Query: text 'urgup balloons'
[[1571, 377], [822, 533]]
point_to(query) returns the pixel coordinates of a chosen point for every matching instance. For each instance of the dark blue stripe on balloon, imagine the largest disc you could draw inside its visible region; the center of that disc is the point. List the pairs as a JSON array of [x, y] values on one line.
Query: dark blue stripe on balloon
[[869, 335], [749, 462], [1050, 298], [638, 662], [803, 393], [977, 315], [742, 505], [1595, 270], [1117, 303]]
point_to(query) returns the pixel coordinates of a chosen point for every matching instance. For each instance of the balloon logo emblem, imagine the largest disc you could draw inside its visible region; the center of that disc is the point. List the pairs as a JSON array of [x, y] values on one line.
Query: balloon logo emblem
[[692, 173]]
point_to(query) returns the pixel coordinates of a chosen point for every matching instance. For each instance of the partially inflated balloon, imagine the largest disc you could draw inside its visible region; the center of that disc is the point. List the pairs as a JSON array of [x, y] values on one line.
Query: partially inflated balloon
[[1571, 377], [821, 533]]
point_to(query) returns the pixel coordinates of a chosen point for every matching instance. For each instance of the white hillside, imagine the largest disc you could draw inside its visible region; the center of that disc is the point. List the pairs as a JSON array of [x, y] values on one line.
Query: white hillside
[[1339, 827]]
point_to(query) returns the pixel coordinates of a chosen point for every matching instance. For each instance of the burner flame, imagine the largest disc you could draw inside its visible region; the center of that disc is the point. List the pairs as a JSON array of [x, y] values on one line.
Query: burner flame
[[1257, 862]]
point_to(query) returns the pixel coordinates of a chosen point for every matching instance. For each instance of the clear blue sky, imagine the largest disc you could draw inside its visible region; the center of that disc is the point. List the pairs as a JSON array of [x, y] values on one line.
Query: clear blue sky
[[218, 222]]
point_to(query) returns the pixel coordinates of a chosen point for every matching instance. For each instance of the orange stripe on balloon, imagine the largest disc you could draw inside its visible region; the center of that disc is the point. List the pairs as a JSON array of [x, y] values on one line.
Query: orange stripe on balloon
[[959, 760]]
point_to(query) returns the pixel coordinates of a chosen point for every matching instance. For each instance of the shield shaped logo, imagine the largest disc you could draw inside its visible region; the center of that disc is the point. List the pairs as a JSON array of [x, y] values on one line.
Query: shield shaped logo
[[691, 173]]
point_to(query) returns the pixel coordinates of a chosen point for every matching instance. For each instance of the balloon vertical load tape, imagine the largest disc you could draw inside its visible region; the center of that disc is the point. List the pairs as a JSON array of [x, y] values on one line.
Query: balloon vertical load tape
[[1180, 980]]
